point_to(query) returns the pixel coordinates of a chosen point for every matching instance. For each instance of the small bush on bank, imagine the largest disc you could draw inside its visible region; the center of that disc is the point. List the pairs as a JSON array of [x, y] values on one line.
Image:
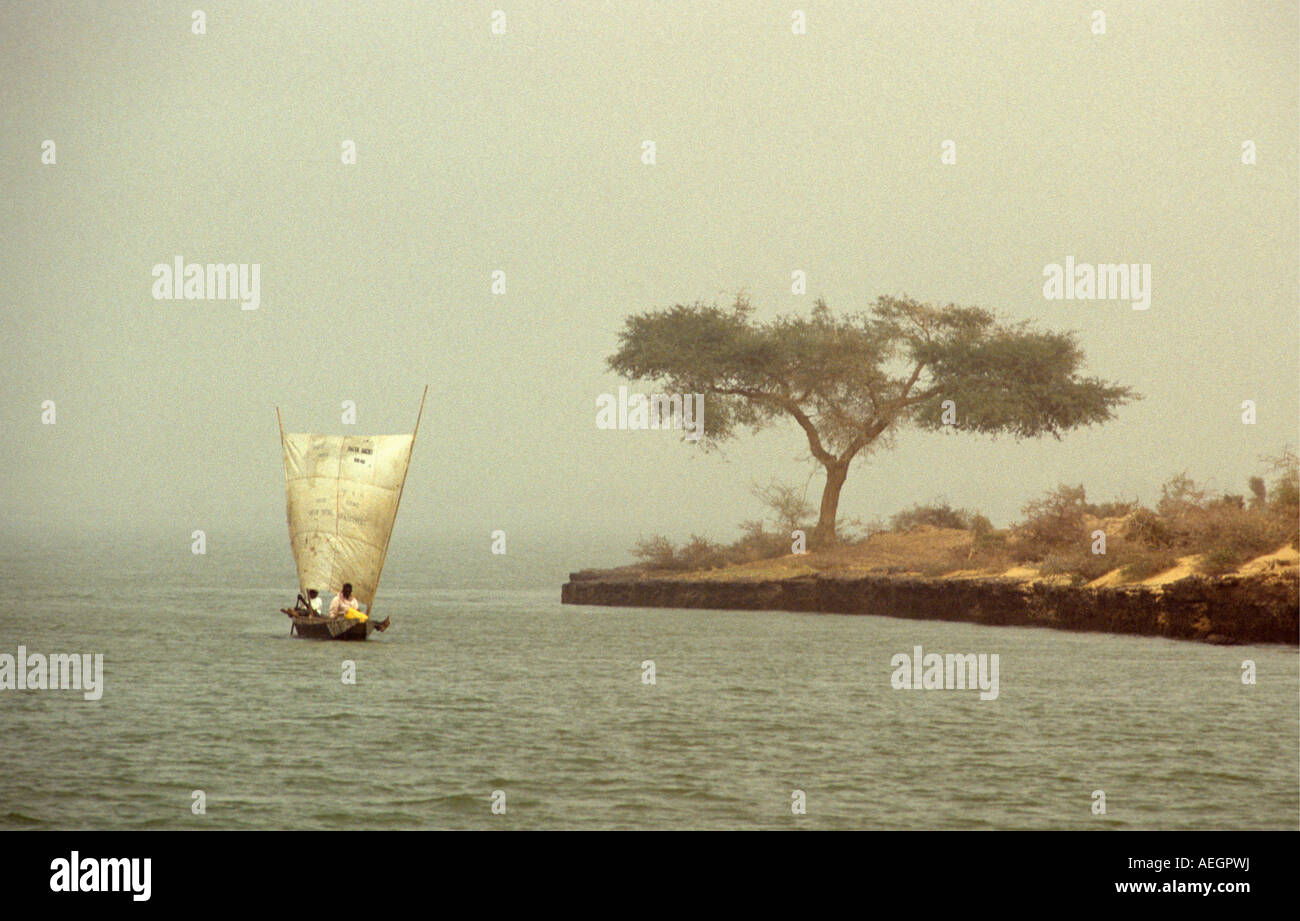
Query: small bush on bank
[[658, 553], [702, 553], [655, 553], [1148, 529], [1054, 522], [1228, 536], [934, 515], [1221, 560], [1117, 509], [1145, 563], [1085, 565], [757, 543]]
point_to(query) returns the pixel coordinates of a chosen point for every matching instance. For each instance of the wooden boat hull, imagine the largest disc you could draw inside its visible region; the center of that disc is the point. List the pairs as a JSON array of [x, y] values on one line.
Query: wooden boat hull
[[330, 628]]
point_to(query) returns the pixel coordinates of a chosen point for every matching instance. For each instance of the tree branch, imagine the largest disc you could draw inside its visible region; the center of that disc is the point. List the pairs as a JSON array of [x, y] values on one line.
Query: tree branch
[[863, 439], [814, 439], [789, 406]]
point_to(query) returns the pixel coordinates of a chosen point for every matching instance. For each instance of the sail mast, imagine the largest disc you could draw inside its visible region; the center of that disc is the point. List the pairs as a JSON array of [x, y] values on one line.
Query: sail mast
[[370, 611], [280, 422]]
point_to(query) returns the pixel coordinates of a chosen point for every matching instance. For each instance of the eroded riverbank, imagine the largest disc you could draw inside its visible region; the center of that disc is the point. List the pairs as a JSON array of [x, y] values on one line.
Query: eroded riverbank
[[1224, 610]]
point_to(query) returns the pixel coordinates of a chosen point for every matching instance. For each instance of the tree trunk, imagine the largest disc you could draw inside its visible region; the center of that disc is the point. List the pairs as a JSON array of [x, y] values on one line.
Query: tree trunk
[[824, 535]]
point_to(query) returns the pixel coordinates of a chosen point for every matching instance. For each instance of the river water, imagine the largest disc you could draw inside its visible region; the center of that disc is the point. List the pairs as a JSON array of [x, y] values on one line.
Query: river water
[[486, 683]]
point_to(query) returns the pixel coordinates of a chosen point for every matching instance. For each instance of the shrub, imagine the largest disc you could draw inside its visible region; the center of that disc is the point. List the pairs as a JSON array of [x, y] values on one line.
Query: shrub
[[1147, 528], [1081, 566], [701, 553], [1180, 496], [1230, 533], [1258, 492], [935, 515], [1115, 509], [1054, 521], [1285, 499], [1143, 564], [1286, 494], [790, 510], [656, 553], [1221, 560], [757, 543]]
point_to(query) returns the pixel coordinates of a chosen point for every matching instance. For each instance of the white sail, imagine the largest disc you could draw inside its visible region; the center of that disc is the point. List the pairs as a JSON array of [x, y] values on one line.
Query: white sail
[[342, 494]]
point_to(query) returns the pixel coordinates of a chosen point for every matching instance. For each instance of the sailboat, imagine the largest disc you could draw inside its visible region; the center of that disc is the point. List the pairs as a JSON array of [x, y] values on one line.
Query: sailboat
[[342, 494]]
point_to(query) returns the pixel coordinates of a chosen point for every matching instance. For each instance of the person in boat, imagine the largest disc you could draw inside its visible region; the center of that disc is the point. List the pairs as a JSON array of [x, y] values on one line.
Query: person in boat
[[309, 605], [344, 605]]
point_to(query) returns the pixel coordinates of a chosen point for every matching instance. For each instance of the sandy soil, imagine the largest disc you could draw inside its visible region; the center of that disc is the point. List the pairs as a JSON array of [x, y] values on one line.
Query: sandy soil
[[926, 549]]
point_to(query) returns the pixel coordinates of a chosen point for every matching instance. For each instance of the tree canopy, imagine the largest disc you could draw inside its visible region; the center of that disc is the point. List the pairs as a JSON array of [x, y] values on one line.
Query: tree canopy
[[850, 381]]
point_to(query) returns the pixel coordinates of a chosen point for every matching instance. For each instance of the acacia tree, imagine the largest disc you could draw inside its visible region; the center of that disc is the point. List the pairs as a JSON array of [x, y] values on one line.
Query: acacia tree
[[850, 382]]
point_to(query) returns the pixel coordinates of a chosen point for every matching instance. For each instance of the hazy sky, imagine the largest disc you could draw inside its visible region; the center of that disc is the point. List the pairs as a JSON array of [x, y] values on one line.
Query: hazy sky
[[522, 152]]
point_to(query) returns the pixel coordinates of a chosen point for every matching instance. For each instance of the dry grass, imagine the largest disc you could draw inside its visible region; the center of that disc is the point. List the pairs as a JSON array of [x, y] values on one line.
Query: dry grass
[[924, 550], [1189, 532], [945, 553]]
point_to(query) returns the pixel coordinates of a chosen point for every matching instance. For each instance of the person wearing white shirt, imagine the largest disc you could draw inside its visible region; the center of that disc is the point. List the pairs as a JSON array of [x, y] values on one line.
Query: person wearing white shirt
[[310, 604]]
